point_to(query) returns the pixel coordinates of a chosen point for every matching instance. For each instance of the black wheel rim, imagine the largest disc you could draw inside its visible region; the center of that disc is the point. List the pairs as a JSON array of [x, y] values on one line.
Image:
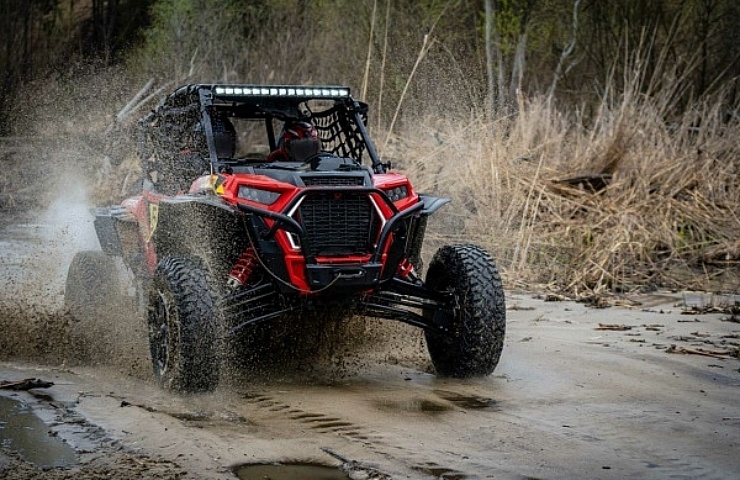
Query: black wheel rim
[[164, 331]]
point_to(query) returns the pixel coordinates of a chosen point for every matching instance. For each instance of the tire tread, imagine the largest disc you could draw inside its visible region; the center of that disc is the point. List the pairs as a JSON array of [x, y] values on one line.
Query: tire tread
[[475, 346]]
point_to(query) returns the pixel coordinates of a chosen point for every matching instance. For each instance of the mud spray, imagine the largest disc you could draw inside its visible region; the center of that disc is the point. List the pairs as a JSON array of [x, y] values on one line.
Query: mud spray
[[73, 166], [34, 259], [38, 326]]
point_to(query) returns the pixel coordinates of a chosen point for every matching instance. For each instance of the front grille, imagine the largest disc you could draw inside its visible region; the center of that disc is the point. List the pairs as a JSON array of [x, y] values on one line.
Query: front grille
[[337, 224], [334, 181]]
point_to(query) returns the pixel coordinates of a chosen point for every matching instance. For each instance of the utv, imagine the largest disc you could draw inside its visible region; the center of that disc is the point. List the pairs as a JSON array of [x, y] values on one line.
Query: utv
[[262, 201]]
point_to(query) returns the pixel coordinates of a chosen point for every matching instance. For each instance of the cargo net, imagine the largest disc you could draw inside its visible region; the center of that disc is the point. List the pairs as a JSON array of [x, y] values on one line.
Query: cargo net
[[339, 132], [172, 150]]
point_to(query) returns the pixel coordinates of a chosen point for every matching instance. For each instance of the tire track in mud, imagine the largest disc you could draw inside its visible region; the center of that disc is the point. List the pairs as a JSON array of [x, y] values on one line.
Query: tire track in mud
[[319, 422], [369, 438], [411, 454]]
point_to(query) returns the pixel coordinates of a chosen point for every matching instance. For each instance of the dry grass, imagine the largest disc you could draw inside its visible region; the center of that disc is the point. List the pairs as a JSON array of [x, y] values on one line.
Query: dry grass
[[528, 188]]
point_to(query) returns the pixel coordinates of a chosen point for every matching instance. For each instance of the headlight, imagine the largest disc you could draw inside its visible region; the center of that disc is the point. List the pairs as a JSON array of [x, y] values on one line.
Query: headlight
[[398, 193], [265, 197]]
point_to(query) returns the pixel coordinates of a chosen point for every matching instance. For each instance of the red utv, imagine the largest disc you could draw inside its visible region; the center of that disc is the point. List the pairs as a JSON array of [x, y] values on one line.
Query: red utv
[[262, 201]]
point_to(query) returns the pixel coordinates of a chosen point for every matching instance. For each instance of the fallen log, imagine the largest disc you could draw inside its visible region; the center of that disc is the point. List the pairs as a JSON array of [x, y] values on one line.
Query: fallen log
[[587, 183]]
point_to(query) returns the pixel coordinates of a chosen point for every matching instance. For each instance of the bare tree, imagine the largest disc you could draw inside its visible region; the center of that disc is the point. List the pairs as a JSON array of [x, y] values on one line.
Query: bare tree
[[489, 58], [567, 51]]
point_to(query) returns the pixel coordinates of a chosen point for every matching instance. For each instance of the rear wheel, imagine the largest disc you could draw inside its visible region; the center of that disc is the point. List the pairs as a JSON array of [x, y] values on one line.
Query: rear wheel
[[92, 292], [92, 285], [477, 319], [184, 325]]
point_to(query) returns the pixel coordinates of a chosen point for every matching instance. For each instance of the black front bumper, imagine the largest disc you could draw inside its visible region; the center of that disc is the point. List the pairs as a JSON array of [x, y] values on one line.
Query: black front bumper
[[338, 276]]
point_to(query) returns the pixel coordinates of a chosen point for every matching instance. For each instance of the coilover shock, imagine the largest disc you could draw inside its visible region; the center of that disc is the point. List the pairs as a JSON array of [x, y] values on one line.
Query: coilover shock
[[242, 269]]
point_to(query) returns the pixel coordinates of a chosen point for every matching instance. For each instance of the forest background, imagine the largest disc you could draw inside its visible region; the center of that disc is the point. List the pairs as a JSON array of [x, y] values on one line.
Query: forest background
[[591, 146]]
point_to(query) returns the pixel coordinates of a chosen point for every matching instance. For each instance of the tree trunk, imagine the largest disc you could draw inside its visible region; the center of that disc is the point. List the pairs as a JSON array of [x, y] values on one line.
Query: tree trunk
[[491, 97]]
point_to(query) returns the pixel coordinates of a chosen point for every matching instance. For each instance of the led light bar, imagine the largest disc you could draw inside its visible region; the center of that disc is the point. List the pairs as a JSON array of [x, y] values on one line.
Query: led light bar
[[282, 91]]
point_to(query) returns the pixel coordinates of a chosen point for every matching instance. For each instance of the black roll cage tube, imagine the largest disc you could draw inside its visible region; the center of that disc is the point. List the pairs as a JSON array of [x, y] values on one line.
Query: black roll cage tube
[[378, 166]]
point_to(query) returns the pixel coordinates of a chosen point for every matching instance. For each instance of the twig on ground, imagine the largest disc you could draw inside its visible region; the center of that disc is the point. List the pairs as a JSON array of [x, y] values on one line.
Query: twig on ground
[[700, 351], [613, 326], [27, 384]]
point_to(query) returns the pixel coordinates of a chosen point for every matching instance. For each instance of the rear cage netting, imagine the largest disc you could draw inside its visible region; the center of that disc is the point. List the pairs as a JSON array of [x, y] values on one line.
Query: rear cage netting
[[169, 131], [338, 131]]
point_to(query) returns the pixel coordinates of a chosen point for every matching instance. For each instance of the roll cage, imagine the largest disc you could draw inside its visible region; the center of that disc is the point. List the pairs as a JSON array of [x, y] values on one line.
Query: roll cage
[[182, 121]]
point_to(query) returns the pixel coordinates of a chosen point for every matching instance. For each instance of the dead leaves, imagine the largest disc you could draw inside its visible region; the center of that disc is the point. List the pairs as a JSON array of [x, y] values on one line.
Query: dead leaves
[[704, 309], [725, 348]]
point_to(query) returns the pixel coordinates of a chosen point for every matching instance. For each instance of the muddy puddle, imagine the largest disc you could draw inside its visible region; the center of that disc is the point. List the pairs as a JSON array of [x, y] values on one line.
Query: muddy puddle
[[23, 432], [296, 471]]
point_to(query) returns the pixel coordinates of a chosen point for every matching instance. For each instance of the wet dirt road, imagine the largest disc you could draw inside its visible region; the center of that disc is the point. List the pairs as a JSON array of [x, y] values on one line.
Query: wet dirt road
[[636, 391]]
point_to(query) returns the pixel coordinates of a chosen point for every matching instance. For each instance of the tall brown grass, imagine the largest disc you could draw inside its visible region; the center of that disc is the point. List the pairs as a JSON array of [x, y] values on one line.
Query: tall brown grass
[[633, 196]]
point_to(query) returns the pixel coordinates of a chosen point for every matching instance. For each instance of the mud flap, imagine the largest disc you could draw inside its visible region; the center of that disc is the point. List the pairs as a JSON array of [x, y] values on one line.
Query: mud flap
[[105, 227]]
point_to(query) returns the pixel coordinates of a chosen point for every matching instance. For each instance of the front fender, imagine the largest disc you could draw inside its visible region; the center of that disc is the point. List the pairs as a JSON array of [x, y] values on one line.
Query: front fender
[[431, 203], [201, 227]]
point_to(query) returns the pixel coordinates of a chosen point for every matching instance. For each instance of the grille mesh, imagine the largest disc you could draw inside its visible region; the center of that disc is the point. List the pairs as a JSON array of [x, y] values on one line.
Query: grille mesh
[[337, 224], [333, 181]]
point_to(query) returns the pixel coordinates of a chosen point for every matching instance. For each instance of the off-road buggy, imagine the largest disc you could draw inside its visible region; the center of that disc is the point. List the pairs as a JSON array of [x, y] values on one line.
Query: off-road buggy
[[221, 240]]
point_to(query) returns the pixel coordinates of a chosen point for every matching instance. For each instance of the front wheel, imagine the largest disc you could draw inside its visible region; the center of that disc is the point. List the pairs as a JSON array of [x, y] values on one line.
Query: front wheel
[[184, 322], [476, 317]]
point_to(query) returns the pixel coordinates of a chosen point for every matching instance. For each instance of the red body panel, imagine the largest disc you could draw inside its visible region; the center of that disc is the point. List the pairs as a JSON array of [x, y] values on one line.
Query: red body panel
[[145, 209]]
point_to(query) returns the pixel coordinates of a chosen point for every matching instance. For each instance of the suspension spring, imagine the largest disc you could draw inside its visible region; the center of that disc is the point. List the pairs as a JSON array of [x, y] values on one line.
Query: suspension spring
[[243, 268]]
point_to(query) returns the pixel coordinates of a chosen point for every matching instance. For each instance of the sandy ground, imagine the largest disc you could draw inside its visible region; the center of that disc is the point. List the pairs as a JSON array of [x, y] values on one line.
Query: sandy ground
[[646, 388], [567, 401]]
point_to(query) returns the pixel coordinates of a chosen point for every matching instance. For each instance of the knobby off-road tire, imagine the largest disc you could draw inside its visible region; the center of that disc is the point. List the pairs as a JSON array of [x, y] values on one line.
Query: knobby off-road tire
[[184, 327], [478, 318], [92, 286]]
